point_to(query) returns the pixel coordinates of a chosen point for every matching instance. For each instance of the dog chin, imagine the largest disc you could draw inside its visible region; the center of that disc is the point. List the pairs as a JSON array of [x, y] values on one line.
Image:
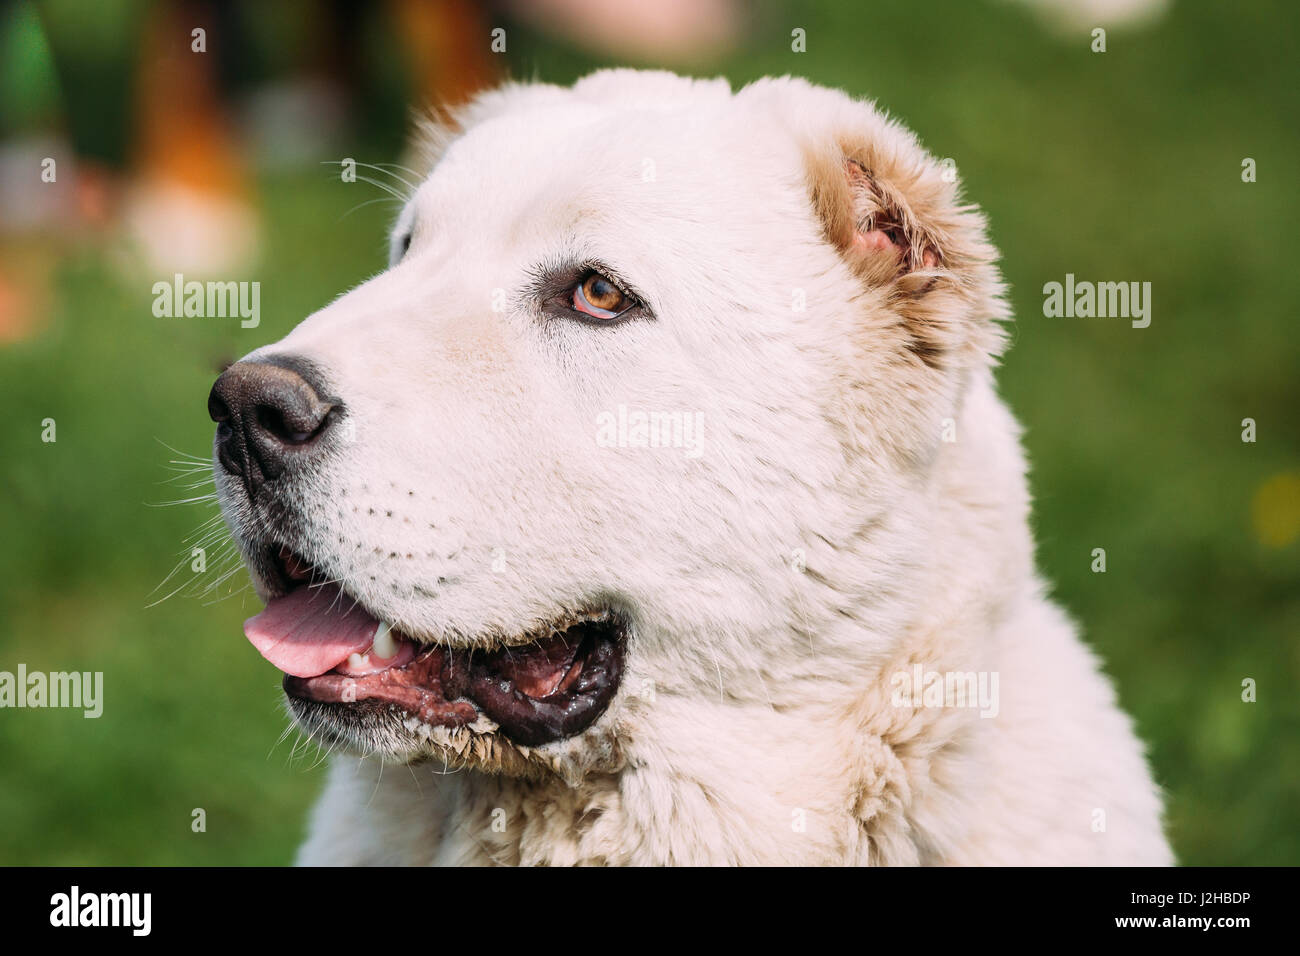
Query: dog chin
[[355, 682], [376, 730]]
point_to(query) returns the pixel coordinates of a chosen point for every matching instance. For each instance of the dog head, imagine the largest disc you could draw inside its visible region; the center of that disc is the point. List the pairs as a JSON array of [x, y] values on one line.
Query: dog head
[[623, 447]]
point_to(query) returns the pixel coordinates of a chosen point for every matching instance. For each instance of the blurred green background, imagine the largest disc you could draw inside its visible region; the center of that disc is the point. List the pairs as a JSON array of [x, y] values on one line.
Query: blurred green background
[[1123, 165]]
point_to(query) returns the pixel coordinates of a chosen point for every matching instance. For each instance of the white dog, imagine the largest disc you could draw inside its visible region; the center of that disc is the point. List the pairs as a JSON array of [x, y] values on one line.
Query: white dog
[[656, 505]]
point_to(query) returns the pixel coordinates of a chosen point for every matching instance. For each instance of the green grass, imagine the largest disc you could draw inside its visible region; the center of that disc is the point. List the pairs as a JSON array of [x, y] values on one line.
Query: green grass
[[1123, 165], [192, 714]]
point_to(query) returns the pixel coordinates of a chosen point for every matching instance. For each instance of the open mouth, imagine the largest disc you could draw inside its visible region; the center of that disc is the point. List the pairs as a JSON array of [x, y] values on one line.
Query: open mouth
[[539, 689]]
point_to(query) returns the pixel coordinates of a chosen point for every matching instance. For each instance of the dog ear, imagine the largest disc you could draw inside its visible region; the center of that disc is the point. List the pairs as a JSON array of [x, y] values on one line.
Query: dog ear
[[870, 224], [895, 220]]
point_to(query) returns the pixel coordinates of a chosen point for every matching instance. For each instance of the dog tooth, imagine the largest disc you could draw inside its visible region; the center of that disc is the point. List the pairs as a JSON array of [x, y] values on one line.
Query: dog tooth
[[384, 644], [358, 660]]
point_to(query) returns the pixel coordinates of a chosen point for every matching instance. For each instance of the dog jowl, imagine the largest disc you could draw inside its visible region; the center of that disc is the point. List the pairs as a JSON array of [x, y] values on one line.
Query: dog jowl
[[469, 564]]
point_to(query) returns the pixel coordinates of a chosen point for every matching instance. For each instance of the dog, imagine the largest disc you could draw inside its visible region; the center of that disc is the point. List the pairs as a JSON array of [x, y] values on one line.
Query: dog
[[656, 506]]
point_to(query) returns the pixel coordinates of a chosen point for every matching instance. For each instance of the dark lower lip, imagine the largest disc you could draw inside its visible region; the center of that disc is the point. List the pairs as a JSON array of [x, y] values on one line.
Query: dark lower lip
[[536, 693]]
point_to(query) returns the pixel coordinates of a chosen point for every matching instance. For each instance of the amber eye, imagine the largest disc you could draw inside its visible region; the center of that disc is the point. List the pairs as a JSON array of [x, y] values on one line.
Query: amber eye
[[597, 296]]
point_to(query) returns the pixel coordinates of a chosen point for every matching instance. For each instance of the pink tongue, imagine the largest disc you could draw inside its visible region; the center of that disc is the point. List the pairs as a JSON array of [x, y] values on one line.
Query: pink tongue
[[311, 630]]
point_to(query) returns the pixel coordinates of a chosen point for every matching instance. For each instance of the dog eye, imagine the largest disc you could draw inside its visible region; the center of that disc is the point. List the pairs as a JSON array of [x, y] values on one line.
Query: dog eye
[[401, 247], [597, 296]]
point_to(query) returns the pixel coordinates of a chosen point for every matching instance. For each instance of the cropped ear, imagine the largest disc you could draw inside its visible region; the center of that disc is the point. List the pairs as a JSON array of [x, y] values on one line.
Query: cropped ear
[[895, 220]]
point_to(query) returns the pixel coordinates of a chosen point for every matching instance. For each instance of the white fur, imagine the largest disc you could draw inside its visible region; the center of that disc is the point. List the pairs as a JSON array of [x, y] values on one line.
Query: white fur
[[825, 538]]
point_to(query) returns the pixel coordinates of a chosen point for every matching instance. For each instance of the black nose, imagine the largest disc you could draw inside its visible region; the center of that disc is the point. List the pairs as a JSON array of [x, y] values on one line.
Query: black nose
[[269, 420]]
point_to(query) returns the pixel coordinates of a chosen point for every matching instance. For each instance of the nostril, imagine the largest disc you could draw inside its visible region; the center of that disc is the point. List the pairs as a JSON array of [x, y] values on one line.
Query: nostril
[[218, 410], [272, 421], [269, 418]]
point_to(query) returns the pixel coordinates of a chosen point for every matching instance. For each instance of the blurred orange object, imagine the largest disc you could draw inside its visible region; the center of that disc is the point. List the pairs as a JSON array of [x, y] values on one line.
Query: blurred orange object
[[449, 44], [190, 207]]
